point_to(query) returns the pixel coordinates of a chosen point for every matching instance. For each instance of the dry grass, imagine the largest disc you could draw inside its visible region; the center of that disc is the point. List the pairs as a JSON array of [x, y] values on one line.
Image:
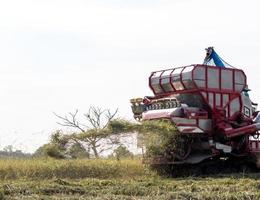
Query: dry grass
[[110, 179], [228, 188], [72, 169]]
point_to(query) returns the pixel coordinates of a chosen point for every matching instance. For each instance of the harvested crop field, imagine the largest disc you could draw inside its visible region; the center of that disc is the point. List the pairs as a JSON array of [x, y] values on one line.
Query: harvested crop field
[[111, 179]]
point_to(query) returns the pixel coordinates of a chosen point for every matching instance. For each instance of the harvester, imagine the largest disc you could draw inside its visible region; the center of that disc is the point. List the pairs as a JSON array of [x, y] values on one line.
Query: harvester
[[210, 107]]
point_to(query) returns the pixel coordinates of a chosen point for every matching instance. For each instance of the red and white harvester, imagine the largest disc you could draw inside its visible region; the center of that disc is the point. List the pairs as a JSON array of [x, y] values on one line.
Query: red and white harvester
[[210, 107]]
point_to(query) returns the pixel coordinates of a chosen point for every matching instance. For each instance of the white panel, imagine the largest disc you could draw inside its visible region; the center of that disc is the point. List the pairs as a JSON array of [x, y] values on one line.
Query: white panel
[[218, 99], [200, 83], [165, 82], [211, 99], [240, 77], [234, 106], [239, 87], [188, 69], [199, 73], [155, 82], [240, 80], [226, 80], [176, 79], [187, 78], [177, 71], [213, 78], [166, 73], [188, 84], [199, 77], [225, 99], [178, 85]]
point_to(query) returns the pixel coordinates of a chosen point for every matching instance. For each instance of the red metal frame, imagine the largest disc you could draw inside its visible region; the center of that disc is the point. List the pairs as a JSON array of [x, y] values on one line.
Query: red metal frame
[[220, 123], [181, 80], [171, 80], [150, 84], [198, 114], [206, 79], [231, 93]]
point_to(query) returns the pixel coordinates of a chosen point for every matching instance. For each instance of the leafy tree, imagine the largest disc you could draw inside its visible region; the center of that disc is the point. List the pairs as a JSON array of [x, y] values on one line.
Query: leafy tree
[[54, 151], [40, 152], [56, 148], [61, 146], [122, 152], [9, 149], [77, 151]]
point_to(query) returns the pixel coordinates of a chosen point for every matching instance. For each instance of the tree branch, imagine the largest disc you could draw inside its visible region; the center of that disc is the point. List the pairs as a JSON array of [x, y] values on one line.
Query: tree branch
[[70, 122], [109, 117]]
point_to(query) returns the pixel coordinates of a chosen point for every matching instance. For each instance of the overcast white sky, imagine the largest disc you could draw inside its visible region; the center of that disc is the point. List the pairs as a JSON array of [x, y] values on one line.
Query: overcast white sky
[[62, 55]]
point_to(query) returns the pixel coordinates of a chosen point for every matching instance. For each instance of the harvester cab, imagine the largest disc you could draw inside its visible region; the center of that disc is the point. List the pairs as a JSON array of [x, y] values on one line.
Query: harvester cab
[[210, 107]]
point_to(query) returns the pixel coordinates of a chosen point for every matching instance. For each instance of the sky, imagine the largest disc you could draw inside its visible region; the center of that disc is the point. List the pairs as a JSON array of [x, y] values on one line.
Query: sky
[[62, 55]]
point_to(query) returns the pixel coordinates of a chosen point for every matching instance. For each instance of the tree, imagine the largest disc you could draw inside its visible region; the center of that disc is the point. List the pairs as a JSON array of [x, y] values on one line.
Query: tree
[[40, 152], [56, 148], [77, 151], [122, 152], [92, 132], [8, 149], [11, 151]]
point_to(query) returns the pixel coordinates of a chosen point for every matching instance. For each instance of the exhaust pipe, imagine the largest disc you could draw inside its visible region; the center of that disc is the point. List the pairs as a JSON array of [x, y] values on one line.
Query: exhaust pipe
[[230, 132]]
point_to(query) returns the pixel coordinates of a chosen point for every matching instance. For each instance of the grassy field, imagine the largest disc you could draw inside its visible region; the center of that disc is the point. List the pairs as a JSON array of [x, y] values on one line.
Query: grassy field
[[119, 180], [40, 169]]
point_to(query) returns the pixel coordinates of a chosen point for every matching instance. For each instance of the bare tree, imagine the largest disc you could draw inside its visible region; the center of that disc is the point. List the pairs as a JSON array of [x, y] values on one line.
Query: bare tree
[[91, 132]]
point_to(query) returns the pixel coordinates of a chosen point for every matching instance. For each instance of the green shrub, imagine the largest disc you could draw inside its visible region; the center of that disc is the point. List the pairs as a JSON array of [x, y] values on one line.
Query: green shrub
[[159, 136]]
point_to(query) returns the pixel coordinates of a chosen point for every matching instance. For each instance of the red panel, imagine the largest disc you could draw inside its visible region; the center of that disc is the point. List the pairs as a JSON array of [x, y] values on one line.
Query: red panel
[[232, 94]]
